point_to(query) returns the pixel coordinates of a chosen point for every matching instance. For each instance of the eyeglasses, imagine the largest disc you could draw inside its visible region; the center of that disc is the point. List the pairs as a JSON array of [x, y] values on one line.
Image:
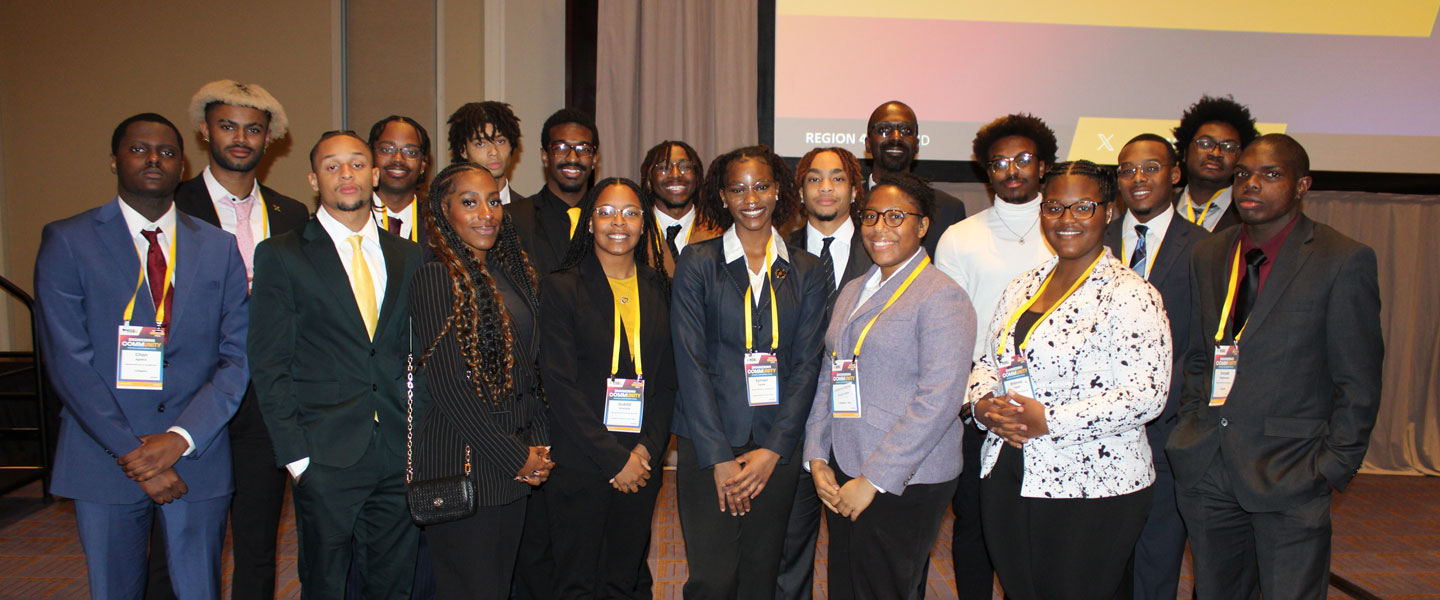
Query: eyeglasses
[[1082, 210], [1021, 160], [685, 167], [610, 212], [893, 217], [885, 129], [1208, 143], [582, 149], [1149, 168], [410, 152]]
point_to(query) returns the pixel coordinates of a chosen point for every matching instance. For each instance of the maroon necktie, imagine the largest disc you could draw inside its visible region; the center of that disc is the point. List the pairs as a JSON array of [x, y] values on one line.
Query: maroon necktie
[[155, 272], [392, 224]]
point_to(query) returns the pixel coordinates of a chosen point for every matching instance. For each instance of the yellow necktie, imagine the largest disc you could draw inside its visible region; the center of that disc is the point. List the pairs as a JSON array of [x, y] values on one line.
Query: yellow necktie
[[574, 213], [363, 286]]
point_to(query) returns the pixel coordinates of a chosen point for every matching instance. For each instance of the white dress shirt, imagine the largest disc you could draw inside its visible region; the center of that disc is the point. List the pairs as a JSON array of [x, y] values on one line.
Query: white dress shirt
[[407, 216], [1220, 204], [839, 247], [734, 250], [1154, 235], [985, 252], [686, 223], [505, 197], [135, 223], [225, 201]]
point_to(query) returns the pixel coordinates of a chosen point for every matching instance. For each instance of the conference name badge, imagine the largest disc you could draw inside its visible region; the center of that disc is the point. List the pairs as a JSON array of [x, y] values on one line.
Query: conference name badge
[[624, 404], [1015, 377], [762, 379], [844, 389], [140, 358], [1227, 359]]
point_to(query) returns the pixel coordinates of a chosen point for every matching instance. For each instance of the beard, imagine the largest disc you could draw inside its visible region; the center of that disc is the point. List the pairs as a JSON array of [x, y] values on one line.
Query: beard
[[359, 203], [897, 162], [225, 161]]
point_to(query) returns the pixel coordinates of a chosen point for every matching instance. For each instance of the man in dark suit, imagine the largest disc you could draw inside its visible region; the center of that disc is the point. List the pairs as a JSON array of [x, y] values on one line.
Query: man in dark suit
[[1157, 245], [893, 139], [673, 175], [157, 400], [1264, 437], [1211, 134], [402, 152], [570, 146], [830, 188], [239, 122], [328, 350]]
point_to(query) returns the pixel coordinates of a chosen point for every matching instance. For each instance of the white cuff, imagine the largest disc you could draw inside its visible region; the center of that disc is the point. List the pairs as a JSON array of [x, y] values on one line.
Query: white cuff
[[298, 467], [872, 484], [806, 464], [189, 441]]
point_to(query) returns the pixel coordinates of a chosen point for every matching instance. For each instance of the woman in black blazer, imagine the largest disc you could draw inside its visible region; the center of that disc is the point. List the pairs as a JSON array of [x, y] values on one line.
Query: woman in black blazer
[[473, 311], [743, 298], [603, 497]]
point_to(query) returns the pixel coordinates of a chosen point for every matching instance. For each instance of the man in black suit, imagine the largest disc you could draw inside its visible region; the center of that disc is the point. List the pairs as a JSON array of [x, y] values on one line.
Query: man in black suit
[[1157, 245], [569, 149], [327, 347], [1282, 383], [1211, 134], [402, 152], [893, 139], [239, 122]]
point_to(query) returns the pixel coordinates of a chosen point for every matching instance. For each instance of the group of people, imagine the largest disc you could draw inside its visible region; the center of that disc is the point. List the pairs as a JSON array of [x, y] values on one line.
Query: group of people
[[1063, 369]]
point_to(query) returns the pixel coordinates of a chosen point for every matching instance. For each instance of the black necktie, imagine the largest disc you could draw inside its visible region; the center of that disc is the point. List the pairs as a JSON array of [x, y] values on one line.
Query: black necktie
[[1249, 287], [671, 233], [827, 265], [1137, 258]]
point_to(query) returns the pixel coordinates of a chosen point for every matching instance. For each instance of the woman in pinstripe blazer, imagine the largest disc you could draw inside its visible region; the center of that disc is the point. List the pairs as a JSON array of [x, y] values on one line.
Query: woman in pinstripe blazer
[[473, 312]]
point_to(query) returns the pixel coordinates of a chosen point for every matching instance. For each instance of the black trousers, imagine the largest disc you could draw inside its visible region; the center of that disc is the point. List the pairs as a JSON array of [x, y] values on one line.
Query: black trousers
[[1239, 554], [474, 558], [1153, 572], [797, 561], [974, 575], [731, 558], [1057, 548], [535, 565], [600, 535], [883, 554], [361, 506]]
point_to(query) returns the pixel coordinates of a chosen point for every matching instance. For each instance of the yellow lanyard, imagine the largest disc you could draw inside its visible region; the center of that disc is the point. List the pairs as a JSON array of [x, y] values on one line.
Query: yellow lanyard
[[893, 297], [774, 313], [1190, 207], [264, 215], [634, 344], [384, 215], [164, 286], [1028, 303], [1230, 288]]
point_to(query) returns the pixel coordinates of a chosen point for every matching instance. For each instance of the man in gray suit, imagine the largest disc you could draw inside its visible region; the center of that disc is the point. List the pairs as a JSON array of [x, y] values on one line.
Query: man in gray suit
[[1280, 397]]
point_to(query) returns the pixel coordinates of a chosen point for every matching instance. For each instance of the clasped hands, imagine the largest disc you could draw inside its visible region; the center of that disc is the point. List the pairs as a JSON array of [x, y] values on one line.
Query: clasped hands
[[1015, 418], [636, 472], [537, 467], [152, 465], [739, 481], [847, 500]]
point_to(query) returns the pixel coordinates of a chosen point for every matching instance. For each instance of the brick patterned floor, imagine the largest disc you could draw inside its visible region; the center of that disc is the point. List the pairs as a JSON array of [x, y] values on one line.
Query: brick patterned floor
[[1387, 540]]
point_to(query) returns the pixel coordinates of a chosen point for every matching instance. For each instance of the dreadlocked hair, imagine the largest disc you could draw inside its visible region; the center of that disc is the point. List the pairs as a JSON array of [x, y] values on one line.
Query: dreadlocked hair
[[648, 251], [1212, 109], [1103, 176], [661, 153], [849, 163], [710, 206], [468, 121], [478, 316]]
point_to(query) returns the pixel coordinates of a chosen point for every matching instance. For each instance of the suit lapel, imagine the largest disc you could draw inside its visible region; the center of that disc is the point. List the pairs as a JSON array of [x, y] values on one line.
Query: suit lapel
[[1115, 238], [1293, 254], [1220, 271], [188, 249], [391, 249], [194, 198], [859, 260], [320, 250], [121, 259], [1172, 245]]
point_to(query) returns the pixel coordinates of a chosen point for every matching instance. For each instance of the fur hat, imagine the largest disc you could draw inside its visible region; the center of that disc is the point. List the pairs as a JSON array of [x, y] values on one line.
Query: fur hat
[[249, 95]]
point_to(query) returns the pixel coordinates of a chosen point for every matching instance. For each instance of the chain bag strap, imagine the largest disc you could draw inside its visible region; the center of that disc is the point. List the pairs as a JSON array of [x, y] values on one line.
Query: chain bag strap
[[432, 501]]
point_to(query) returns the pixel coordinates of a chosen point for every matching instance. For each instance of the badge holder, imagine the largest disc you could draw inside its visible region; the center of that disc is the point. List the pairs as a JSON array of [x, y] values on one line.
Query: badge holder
[[762, 379], [1015, 377], [844, 389]]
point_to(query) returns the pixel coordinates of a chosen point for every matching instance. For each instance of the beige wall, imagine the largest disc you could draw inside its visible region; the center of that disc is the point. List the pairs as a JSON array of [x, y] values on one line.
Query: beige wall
[[524, 50]]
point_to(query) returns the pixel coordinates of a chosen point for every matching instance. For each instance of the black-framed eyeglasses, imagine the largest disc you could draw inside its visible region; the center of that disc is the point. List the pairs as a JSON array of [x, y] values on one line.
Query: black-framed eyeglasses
[[885, 130], [685, 167], [893, 217], [1051, 209], [1021, 160], [561, 148], [1150, 168], [605, 211], [410, 152], [1208, 143]]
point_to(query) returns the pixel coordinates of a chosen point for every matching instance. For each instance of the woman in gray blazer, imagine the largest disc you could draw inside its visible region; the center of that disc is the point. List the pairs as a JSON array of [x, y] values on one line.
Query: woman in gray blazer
[[1077, 361], [883, 440]]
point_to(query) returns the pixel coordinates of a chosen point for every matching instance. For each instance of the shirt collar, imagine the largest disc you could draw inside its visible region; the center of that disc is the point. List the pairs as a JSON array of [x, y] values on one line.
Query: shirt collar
[[875, 282], [1156, 226], [135, 222], [218, 192], [843, 235], [403, 215], [505, 193], [733, 249], [339, 232], [1271, 247], [665, 221]]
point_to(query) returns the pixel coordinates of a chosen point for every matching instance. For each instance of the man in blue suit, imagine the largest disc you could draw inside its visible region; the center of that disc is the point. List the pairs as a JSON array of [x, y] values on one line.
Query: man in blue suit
[[142, 434]]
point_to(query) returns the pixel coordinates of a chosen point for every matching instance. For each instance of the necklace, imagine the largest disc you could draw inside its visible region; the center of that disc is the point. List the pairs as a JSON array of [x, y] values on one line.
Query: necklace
[[1021, 236]]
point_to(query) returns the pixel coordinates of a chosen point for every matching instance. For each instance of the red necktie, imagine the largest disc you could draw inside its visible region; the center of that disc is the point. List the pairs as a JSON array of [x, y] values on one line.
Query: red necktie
[[155, 272], [393, 224]]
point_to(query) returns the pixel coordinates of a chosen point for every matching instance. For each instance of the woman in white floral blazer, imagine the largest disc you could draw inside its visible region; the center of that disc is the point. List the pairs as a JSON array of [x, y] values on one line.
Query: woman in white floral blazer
[[1077, 360]]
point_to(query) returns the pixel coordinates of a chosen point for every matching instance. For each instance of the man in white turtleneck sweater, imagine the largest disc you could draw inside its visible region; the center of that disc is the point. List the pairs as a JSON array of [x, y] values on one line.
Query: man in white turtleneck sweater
[[983, 254]]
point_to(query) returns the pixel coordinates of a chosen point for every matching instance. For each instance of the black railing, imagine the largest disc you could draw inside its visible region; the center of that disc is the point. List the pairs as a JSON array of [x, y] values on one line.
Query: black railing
[[41, 431]]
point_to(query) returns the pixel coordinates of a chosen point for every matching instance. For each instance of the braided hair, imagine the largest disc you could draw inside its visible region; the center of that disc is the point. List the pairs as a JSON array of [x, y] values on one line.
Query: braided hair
[[661, 153], [478, 315], [648, 251], [710, 206], [1103, 176]]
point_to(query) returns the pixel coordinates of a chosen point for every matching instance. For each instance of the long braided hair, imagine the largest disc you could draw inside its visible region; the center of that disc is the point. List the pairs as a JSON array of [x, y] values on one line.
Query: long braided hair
[[478, 315], [647, 251]]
